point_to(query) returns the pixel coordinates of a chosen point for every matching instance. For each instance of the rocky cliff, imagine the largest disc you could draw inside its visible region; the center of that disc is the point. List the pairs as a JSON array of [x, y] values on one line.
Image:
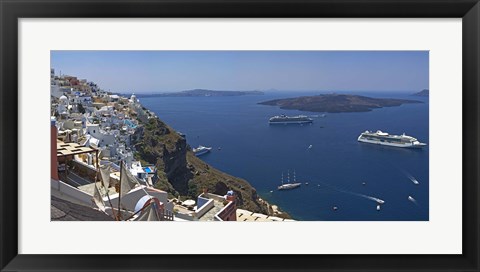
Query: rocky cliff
[[180, 172]]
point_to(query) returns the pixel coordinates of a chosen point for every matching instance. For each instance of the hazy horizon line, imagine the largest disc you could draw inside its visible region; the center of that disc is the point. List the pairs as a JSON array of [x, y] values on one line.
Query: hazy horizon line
[[267, 91]]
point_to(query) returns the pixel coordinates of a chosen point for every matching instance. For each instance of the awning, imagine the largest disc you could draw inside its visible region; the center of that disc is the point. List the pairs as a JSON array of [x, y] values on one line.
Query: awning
[[67, 149]]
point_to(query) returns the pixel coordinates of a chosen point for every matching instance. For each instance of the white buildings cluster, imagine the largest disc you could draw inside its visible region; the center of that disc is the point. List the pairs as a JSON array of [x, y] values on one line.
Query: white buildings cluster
[[91, 117], [92, 157]]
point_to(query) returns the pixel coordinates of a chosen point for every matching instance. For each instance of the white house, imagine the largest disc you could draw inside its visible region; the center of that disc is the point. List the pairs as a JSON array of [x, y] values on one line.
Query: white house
[[104, 138]]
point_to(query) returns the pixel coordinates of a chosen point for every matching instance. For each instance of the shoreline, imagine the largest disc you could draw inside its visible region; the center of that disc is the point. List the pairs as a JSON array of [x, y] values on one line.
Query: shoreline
[[202, 171]]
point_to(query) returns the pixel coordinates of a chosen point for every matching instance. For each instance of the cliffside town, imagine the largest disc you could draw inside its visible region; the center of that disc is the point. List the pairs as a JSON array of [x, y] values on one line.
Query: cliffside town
[[122, 133]]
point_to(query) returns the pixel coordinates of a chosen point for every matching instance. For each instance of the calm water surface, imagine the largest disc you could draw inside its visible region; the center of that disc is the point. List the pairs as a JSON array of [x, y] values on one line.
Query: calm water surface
[[335, 167]]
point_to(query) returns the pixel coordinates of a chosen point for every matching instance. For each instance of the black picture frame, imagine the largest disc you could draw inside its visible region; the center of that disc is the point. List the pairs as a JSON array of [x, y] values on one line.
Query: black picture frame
[[11, 11]]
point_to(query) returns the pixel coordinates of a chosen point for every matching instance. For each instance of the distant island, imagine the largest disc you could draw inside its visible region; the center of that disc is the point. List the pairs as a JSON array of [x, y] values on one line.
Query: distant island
[[334, 103], [424, 93], [202, 92]]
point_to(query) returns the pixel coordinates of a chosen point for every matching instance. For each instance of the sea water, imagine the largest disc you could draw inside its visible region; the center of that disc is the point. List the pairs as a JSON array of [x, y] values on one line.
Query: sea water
[[341, 172]]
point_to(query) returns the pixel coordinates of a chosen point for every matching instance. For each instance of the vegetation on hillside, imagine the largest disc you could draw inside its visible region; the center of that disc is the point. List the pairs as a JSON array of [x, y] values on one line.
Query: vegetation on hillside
[[180, 172]]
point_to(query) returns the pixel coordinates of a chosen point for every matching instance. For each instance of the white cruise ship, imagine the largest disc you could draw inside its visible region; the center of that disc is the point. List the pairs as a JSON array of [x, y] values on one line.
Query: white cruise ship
[[283, 119], [383, 138], [200, 150]]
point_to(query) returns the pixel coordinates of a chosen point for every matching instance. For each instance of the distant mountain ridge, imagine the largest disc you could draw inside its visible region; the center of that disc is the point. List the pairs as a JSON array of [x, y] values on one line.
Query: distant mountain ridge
[[335, 103], [424, 92], [202, 92]]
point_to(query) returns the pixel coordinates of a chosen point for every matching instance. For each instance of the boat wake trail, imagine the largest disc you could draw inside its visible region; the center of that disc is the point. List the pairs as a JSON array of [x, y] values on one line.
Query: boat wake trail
[[413, 179], [378, 200], [413, 200], [410, 177]]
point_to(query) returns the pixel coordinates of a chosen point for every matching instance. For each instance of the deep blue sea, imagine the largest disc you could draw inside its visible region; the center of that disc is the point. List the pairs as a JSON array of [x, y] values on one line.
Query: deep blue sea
[[335, 167]]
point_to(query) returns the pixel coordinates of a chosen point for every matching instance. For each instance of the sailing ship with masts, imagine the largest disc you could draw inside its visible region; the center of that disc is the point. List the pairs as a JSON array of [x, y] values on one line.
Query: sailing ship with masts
[[288, 185]]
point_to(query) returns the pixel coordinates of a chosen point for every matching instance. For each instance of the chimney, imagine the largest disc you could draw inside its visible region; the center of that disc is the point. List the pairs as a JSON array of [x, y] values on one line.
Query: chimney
[[230, 195], [53, 148]]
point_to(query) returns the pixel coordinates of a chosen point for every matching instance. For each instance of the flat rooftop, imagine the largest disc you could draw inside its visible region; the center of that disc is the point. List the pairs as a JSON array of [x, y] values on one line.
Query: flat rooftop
[[210, 215], [182, 209], [248, 216]]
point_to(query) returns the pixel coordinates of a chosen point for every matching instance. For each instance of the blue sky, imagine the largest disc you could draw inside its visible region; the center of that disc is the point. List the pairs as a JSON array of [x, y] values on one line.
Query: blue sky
[[164, 71]]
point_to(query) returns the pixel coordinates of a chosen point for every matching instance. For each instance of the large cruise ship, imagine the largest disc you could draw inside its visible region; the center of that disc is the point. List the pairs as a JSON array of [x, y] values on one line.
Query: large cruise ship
[[283, 119], [200, 150], [383, 138]]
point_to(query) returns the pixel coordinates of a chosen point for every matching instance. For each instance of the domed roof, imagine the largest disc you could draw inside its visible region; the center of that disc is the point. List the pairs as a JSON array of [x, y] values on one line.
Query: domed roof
[[133, 96], [63, 98], [141, 202]]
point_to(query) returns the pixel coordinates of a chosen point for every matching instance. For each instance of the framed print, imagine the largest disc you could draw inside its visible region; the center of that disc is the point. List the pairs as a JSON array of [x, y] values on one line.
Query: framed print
[[335, 135]]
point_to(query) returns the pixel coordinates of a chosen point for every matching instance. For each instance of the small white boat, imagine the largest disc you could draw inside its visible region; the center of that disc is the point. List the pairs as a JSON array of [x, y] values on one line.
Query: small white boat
[[378, 207], [411, 198], [310, 146], [200, 150]]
